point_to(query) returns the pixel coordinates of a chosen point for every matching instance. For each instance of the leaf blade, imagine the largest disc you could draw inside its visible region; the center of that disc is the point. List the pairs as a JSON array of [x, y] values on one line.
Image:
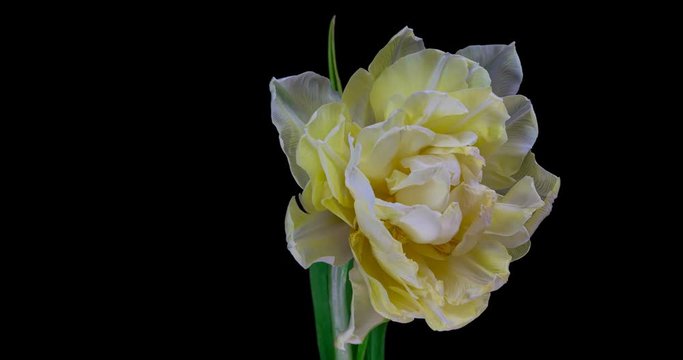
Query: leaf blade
[[332, 59], [320, 276]]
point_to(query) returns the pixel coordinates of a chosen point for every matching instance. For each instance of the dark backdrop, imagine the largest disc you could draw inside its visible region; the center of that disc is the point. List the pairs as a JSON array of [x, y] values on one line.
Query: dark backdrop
[[225, 279]]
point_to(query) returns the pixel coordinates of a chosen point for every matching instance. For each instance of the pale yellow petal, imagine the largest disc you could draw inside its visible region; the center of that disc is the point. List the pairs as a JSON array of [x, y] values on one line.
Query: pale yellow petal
[[356, 96], [467, 277], [451, 317], [387, 250], [432, 109], [523, 194], [421, 224], [423, 162], [425, 70], [511, 213], [486, 118], [400, 45], [430, 187], [476, 203], [391, 146], [386, 294], [363, 316], [316, 237], [460, 139]]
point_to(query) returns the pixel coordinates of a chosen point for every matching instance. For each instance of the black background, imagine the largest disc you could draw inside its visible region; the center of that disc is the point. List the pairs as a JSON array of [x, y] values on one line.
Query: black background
[[222, 277]]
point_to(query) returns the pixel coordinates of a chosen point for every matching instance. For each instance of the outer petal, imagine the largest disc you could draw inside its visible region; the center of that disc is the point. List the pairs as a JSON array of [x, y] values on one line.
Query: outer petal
[[545, 182], [451, 317], [425, 70], [511, 213], [544, 211], [548, 186], [317, 237], [387, 295], [293, 101], [502, 63], [402, 44], [363, 316], [522, 131], [469, 276]]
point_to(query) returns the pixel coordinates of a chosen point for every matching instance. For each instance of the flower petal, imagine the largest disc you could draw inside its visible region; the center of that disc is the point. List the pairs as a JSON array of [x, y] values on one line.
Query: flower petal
[[511, 213], [544, 211], [486, 118], [432, 109], [356, 97], [363, 316], [387, 295], [476, 203], [502, 64], [548, 186], [425, 70], [422, 224], [316, 237], [293, 101], [400, 45], [545, 182], [467, 277], [391, 145], [522, 131], [430, 187], [323, 153], [387, 250], [451, 317]]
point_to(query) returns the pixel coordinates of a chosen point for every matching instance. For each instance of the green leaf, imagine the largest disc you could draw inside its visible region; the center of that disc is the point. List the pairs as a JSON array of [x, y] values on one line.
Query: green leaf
[[320, 278], [360, 353], [372, 347], [376, 342], [332, 59]]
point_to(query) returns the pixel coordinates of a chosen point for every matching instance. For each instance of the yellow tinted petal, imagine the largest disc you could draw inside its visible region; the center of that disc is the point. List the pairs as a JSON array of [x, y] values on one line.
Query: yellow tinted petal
[[356, 97], [470, 276], [316, 237], [400, 45], [363, 316], [425, 70]]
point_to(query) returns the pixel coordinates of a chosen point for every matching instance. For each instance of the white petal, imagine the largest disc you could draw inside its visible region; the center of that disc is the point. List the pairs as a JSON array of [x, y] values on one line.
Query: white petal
[[502, 64], [522, 131], [293, 101]]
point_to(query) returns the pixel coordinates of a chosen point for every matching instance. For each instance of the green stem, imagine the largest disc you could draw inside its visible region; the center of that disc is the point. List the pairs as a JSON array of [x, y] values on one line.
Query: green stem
[[376, 342], [339, 276], [320, 279]]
